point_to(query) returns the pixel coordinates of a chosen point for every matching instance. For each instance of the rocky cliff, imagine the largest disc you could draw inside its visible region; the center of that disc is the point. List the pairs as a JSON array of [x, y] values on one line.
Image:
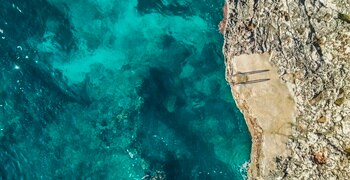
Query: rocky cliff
[[288, 66]]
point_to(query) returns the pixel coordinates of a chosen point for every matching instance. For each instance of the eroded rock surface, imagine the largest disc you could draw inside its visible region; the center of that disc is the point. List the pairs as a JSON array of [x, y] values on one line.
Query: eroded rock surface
[[308, 43]]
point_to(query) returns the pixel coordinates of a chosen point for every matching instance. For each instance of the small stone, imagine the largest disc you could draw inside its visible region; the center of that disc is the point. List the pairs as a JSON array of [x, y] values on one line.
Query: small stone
[[337, 119], [347, 150], [320, 157], [321, 40], [299, 75], [339, 101], [316, 99], [322, 119], [346, 127]]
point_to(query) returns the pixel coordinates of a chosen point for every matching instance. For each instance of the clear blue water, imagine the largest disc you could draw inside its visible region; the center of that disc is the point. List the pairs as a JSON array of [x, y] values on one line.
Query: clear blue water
[[112, 89]]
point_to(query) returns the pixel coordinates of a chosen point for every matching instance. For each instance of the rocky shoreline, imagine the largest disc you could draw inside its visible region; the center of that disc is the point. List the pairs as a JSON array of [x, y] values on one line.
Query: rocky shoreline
[[308, 42]]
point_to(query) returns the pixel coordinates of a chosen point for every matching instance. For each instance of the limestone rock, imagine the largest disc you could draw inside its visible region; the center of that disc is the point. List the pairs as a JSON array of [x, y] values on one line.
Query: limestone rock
[[308, 46]]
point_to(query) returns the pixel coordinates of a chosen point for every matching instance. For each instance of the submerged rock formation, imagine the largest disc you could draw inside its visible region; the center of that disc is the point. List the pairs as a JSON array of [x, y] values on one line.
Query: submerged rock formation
[[297, 110]]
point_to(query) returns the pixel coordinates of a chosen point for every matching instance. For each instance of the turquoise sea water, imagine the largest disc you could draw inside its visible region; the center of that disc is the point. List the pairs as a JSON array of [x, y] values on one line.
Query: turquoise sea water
[[112, 89]]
